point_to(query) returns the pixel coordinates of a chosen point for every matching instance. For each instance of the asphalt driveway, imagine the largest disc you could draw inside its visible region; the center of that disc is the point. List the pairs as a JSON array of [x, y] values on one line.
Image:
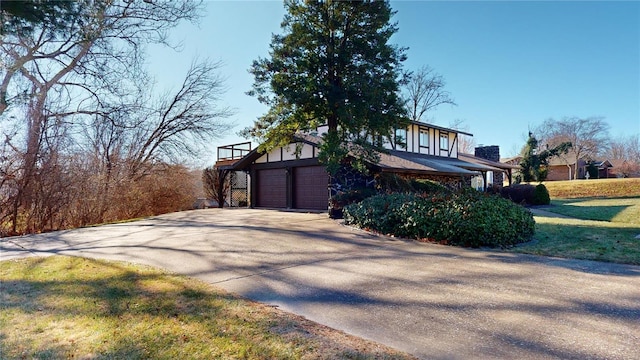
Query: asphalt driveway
[[433, 301]]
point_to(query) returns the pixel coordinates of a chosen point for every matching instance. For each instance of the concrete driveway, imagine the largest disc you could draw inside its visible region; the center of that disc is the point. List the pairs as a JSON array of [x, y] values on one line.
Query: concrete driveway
[[436, 302]]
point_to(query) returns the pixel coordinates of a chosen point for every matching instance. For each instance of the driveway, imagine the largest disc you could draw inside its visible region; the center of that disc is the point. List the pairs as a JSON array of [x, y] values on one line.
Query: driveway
[[433, 301]]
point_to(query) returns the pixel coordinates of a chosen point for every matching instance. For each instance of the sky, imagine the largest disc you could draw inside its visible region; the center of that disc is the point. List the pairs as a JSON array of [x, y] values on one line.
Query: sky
[[509, 65]]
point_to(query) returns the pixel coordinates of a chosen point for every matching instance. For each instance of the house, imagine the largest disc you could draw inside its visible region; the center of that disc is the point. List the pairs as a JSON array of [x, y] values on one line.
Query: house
[[291, 176], [563, 168]]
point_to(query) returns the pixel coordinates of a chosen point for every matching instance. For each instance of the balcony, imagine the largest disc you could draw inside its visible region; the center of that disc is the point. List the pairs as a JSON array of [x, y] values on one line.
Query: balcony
[[229, 154]]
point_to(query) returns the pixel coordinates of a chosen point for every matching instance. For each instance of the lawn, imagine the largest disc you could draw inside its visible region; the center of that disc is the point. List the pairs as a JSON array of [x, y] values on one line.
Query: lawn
[[615, 210], [65, 307], [603, 229], [593, 188]]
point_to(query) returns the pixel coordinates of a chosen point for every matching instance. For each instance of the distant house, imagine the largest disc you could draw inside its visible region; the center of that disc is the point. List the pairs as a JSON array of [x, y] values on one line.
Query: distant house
[[292, 177], [563, 168]]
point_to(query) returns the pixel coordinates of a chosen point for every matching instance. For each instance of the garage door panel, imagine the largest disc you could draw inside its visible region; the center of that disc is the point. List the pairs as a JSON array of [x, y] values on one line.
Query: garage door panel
[[311, 188], [271, 188]]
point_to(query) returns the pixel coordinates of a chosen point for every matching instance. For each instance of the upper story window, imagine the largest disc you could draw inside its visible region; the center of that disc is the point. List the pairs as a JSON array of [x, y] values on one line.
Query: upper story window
[[424, 138], [444, 141], [401, 139]]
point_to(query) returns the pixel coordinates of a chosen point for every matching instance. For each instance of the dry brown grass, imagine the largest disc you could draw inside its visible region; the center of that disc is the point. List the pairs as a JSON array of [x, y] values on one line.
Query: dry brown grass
[[594, 188]]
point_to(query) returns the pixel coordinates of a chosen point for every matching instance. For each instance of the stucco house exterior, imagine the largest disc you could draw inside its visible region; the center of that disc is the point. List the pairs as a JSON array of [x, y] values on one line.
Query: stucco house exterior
[[291, 177]]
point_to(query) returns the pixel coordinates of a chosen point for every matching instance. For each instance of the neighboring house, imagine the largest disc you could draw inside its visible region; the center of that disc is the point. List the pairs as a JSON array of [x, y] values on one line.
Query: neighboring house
[[291, 176], [562, 168]]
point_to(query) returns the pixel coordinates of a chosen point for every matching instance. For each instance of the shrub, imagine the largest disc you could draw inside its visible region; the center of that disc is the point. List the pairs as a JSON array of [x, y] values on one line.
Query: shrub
[[519, 194], [394, 183], [342, 199], [467, 218], [389, 182], [527, 194], [541, 195], [427, 186]]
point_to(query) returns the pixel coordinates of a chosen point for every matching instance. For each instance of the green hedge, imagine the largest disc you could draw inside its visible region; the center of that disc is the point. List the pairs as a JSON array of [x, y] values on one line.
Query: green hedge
[[468, 218], [527, 194]]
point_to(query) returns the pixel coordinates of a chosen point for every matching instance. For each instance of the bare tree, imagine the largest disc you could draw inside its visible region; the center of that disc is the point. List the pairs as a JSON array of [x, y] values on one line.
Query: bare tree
[[81, 131], [425, 91], [626, 150], [588, 137], [179, 123], [97, 52], [216, 182], [624, 147]]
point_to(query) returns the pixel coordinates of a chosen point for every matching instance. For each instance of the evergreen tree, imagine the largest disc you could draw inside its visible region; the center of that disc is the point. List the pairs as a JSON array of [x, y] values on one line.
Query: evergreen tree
[[533, 165], [333, 65], [23, 16], [529, 163]]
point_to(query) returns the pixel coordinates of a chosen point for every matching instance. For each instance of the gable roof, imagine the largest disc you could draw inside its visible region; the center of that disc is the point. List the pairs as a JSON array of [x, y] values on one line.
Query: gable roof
[[499, 166], [393, 161], [408, 162], [420, 123]]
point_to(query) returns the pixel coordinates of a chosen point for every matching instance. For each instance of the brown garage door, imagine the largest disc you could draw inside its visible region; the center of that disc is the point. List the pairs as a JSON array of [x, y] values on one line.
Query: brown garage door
[[271, 188], [310, 188]]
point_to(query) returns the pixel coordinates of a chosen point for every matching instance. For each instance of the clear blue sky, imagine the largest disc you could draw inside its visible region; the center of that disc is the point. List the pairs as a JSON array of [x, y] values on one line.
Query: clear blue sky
[[509, 65]]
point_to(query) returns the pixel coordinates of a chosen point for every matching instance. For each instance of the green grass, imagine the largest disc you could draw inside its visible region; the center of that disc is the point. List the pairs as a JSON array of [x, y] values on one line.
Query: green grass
[[584, 239], [616, 210], [64, 307], [600, 229]]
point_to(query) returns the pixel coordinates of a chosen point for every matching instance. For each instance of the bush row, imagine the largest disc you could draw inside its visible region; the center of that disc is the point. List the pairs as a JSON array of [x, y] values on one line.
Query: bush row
[[467, 218]]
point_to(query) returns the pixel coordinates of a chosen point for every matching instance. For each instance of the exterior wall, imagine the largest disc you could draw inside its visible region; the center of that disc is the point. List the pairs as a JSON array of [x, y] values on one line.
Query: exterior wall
[[430, 147], [423, 139], [558, 173], [288, 152], [562, 172]]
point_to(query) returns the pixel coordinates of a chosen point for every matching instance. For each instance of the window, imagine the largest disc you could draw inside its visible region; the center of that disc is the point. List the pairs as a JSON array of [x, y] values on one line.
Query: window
[[424, 138], [401, 139], [444, 141]]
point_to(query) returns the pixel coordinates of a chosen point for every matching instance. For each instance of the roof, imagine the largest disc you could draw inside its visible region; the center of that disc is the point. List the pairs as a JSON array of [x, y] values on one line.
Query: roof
[[498, 165], [570, 160], [254, 154], [397, 161], [440, 128], [407, 162], [511, 160]]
